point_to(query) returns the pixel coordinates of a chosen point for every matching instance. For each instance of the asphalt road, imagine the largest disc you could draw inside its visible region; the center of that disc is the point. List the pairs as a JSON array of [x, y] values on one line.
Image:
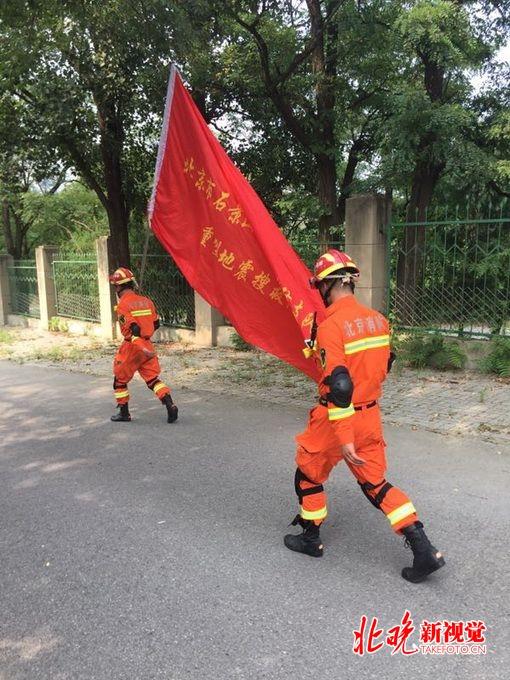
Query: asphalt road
[[147, 550]]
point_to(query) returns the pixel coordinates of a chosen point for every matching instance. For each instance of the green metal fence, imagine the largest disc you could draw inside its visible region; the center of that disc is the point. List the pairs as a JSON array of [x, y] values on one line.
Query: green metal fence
[[451, 276], [23, 286], [76, 286], [309, 250], [164, 283]]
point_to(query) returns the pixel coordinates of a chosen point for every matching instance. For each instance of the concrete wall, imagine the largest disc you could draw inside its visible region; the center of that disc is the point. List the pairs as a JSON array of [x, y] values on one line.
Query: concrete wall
[[44, 256], [5, 293], [366, 220]]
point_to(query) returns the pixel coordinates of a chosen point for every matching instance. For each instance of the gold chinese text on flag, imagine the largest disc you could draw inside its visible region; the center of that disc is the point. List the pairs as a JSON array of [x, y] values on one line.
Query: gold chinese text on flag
[[213, 224]]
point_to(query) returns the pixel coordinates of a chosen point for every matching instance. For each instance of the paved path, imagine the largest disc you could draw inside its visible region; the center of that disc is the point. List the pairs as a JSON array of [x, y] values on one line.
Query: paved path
[[450, 403], [447, 402], [144, 550]]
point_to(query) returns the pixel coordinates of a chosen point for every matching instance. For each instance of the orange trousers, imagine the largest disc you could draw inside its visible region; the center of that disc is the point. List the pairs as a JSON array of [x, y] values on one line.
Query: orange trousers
[[318, 452], [129, 359]]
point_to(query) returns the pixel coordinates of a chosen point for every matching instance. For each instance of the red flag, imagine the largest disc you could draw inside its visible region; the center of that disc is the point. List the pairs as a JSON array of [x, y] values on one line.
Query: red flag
[[211, 221]]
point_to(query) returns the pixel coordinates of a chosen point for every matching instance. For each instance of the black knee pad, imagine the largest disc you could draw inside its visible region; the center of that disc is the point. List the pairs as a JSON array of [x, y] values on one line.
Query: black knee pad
[[379, 497], [301, 477]]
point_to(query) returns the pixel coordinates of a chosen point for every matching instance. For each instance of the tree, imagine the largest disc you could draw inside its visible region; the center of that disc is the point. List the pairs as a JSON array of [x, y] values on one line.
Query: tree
[[90, 78], [24, 164], [433, 117], [312, 65], [314, 99], [71, 218]]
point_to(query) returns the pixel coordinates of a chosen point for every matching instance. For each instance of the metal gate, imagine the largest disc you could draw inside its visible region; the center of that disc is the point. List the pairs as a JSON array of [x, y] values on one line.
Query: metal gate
[[76, 289], [451, 276], [23, 288], [164, 283]]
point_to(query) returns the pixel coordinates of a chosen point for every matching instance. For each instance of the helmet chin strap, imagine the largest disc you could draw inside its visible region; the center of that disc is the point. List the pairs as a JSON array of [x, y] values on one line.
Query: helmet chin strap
[[326, 294], [344, 278]]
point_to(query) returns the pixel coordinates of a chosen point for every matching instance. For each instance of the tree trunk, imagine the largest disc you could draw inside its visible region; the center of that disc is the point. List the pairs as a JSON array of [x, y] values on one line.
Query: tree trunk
[[326, 169], [119, 237], [410, 263], [323, 59], [318, 137], [20, 235], [111, 145], [350, 170], [426, 175], [6, 224]]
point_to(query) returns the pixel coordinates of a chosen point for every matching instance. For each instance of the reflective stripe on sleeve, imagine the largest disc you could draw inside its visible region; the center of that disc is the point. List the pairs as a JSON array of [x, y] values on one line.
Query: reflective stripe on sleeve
[[339, 413], [316, 514], [401, 512], [141, 312], [367, 343]]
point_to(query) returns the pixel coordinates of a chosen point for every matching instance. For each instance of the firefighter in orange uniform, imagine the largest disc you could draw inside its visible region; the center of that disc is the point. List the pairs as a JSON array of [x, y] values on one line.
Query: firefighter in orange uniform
[[352, 346], [138, 321]]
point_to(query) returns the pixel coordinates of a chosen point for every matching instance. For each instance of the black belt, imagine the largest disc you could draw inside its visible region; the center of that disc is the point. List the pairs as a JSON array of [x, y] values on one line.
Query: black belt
[[362, 407], [324, 402]]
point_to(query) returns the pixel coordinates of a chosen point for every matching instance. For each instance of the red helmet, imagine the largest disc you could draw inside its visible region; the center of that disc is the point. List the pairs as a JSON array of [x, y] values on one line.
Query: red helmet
[[334, 264], [121, 275]]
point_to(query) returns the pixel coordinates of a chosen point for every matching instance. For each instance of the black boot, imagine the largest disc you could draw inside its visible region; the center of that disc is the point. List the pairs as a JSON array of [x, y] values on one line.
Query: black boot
[[171, 409], [309, 542], [123, 416], [426, 558]]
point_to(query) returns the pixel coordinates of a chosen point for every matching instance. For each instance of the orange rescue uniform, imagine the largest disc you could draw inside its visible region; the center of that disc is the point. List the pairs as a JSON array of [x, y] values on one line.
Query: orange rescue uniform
[[356, 337], [137, 353]]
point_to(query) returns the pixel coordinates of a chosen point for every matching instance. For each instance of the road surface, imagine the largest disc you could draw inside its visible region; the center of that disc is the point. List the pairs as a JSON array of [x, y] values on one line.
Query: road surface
[[144, 550]]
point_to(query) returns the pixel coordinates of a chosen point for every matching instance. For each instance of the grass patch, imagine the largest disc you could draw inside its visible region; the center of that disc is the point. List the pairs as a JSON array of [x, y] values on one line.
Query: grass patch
[[57, 324], [498, 359], [240, 344], [430, 351], [5, 337], [66, 353]]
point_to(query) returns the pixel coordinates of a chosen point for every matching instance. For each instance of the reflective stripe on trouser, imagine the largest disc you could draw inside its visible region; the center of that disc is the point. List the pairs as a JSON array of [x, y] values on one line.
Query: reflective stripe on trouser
[[400, 516], [312, 500], [318, 453], [158, 387], [122, 395]]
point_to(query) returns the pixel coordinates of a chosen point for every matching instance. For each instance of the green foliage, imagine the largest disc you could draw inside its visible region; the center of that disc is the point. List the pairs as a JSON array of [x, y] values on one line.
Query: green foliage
[[441, 29], [57, 324], [498, 359], [72, 218], [5, 336], [82, 88], [90, 78], [240, 344], [431, 351]]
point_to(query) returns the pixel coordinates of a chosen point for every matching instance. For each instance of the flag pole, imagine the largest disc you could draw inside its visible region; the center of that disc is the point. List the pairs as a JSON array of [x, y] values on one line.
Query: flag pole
[[144, 256]]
